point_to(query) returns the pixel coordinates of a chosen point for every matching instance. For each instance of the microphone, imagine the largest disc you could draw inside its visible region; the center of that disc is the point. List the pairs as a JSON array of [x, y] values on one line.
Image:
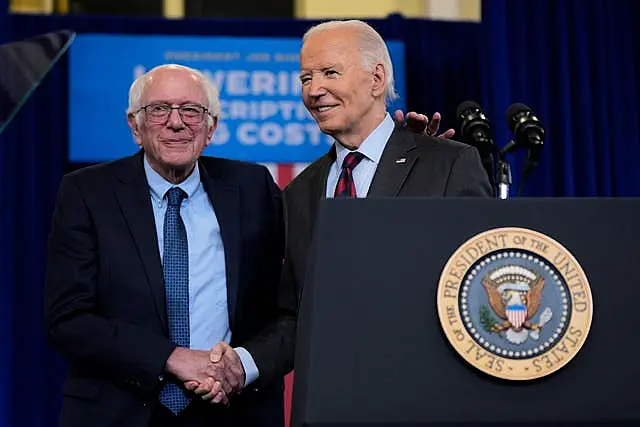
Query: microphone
[[528, 132], [475, 130]]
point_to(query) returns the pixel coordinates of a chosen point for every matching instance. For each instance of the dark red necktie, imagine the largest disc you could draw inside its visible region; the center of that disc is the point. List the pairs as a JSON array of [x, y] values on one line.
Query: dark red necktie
[[346, 186]]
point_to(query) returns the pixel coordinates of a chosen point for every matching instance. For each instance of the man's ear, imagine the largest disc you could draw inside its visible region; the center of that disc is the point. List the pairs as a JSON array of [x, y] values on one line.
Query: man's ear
[[379, 80], [212, 128], [135, 129]]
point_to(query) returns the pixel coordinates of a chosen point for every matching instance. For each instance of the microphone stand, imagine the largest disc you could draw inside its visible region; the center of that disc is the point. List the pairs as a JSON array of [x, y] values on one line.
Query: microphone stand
[[531, 161], [503, 178]]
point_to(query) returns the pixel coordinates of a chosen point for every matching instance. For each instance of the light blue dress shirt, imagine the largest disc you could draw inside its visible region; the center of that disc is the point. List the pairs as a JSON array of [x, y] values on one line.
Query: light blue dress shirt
[[372, 148], [208, 310]]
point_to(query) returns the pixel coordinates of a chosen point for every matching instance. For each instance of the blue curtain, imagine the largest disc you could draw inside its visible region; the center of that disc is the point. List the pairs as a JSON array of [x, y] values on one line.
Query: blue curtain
[[6, 259], [32, 162], [5, 29], [577, 65]]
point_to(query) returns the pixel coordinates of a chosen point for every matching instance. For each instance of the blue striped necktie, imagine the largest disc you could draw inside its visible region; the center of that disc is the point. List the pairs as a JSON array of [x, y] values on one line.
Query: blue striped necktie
[[176, 281]]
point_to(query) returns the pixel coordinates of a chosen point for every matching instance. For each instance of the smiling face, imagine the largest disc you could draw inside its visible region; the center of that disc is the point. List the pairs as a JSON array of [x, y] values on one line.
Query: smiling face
[[345, 98], [172, 147]]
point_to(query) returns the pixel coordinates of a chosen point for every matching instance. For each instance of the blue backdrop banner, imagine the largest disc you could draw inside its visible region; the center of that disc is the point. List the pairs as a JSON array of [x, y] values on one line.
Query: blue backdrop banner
[[263, 118]]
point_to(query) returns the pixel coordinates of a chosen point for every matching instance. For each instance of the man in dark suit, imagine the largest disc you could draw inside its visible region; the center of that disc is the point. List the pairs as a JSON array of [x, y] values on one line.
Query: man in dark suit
[[156, 257], [347, 77]]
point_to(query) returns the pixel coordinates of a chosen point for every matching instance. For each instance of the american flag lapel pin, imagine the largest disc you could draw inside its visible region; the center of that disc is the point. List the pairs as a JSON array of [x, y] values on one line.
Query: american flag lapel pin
[[401, 160]]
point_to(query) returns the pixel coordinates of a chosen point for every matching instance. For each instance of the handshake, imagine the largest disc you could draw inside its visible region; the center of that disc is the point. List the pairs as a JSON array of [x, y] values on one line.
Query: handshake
[[212, 375]]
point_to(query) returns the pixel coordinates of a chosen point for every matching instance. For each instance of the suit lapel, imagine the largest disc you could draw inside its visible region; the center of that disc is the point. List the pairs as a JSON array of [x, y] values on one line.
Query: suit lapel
[[395, 165], [225, 200], [318, 183], [132, 193]]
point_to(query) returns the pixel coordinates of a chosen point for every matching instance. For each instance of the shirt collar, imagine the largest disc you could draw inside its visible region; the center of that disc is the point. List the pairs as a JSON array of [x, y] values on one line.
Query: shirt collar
[[373, 145], [159, 186]]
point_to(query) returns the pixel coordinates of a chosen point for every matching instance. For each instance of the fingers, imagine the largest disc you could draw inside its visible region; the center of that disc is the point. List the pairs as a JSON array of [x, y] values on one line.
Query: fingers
[[398, 116], [209, 385], [420, 124], [417, 123], [237, 369], [216, 388], [221, 398], [448, 134], [216, 395], [218, 350], [228, 374], [412, 115], [212, 390], [226, 387], [191, 385], [434, 125]]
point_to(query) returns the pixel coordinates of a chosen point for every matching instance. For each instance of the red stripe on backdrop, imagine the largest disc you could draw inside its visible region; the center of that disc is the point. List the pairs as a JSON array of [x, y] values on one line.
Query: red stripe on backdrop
[[288, 389], [285, 172]]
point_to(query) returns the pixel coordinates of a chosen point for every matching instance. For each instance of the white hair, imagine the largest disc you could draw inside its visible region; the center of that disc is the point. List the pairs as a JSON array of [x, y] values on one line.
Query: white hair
[[372, 48], [138, 86]]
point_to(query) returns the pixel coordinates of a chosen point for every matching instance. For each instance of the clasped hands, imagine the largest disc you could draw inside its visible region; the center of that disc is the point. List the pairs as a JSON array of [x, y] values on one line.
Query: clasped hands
[[212, 375]]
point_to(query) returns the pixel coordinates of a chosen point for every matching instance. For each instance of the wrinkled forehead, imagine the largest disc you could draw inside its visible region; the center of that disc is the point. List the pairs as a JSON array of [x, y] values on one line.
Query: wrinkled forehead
[[174, 86], [329, 46]]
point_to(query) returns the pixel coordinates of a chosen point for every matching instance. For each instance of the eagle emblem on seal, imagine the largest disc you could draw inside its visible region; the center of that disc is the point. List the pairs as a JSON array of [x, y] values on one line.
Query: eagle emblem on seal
[[515, 295]]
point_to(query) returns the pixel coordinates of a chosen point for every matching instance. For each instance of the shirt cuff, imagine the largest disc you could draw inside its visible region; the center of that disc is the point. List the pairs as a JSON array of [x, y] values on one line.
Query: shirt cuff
[[250, 369]]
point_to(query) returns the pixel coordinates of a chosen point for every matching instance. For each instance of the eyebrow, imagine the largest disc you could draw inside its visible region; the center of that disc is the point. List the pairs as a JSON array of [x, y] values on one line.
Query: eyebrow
[[163, 101], [325, 68]]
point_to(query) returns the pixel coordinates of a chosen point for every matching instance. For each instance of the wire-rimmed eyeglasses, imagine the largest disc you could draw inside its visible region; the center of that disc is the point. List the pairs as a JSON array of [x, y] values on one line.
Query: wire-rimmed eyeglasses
[[191, 114]]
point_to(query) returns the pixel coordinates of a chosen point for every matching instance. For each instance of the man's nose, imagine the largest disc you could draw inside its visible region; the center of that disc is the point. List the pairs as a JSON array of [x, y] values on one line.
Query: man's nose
[[317, 88], [175, 121]]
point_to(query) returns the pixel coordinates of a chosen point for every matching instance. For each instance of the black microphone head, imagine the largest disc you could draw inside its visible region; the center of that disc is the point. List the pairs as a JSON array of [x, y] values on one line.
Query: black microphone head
[[475, 128], [465, 106], [514, 112], [528, 130]]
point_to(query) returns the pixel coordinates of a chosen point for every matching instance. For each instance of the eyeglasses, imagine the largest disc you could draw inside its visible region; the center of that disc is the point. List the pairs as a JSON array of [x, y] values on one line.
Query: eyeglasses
[[191, 114]]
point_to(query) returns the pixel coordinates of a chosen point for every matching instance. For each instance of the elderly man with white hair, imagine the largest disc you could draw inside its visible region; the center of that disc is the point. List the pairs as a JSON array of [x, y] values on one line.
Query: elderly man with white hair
[[155, 258], [347, 80]]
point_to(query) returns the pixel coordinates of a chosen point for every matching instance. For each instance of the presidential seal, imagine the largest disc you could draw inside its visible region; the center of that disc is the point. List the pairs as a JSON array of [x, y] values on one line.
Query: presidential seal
[[514, 303]]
